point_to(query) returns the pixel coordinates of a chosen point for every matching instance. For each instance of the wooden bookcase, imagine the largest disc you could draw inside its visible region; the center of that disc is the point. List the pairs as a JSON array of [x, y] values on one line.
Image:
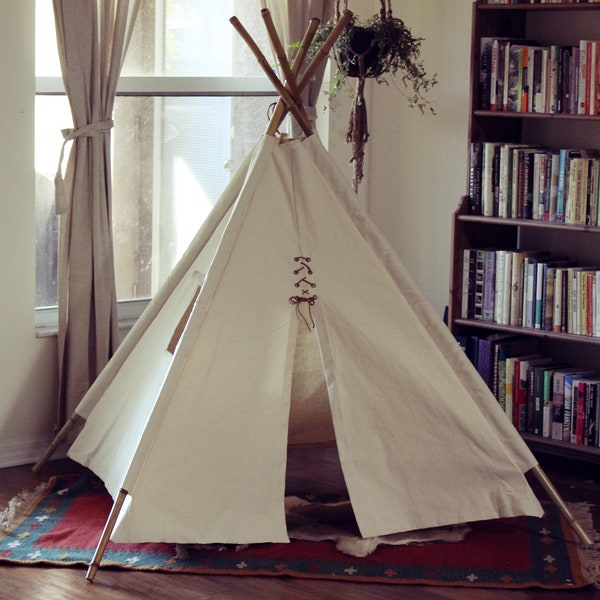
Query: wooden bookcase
[[547, 24]]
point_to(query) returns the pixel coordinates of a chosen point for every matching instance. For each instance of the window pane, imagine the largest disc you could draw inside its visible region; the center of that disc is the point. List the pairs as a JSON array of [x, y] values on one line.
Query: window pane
[[179, 154], [172, 159], [173, 38], [51, 114]]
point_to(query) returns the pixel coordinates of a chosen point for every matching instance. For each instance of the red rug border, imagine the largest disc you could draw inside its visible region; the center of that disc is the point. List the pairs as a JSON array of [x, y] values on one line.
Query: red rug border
[[580, 581]]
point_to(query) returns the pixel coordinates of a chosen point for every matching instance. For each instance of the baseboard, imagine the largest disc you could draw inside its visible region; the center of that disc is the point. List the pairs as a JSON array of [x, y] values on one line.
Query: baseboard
[[25, 453]]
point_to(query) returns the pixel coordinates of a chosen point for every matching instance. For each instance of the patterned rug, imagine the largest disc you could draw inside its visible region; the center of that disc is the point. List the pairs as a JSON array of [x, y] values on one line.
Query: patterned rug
[[61, 522]]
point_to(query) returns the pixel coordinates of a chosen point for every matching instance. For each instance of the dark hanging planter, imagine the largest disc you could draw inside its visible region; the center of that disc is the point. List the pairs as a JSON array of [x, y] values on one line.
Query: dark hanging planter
[[360, 55], [376, 49]]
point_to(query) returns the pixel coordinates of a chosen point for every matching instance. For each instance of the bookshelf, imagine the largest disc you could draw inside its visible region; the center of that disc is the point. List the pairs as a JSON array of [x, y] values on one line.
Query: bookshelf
[[547, 24]]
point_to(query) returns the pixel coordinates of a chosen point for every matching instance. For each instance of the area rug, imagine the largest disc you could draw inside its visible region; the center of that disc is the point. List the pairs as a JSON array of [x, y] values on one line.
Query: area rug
[[60, 524]]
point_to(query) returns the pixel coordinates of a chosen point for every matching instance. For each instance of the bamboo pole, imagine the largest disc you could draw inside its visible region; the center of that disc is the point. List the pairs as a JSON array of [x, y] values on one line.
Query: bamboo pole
[[324, 50], [290, 79], [322, 54], [280, 109], [292, 103], [60, 436], [562, 506], [105, 537]]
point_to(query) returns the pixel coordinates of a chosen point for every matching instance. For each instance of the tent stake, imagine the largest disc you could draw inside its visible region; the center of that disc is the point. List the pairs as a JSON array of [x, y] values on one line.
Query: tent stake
[[105, 537], [562, 506], [60, 436]]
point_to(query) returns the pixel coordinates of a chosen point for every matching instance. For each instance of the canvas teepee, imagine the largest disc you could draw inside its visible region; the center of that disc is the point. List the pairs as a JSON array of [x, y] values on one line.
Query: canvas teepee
[[188, 424]]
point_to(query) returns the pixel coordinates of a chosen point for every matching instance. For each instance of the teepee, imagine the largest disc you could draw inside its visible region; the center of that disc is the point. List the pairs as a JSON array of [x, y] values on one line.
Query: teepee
[[188, 424]]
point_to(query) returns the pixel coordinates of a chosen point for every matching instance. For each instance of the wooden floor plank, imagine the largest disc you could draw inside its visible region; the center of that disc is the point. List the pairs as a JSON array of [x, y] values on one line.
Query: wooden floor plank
[[317, 468]]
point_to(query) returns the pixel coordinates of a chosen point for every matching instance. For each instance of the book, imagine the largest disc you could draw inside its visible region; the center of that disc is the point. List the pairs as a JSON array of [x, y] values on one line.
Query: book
[[489, 284], [581, 408], [485, 67], [570, 401], [521, 388], [468, 283], [515, 78], [487, 359], [499, 285], [530, 182], [558, 402], [564, 181], [540, 398], [553, 79], [475, 166], [507, 349], [490, 179], [479, 284], [553, 189], [537, 98]]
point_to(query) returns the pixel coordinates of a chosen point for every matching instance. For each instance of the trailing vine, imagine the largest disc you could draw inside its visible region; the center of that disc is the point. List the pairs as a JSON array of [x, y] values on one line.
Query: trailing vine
[[379, 48]]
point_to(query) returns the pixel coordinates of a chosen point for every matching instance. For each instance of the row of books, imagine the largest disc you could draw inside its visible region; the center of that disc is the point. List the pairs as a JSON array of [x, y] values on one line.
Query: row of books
[[532, 289], [521, 181], [538, 393], [518, 75]]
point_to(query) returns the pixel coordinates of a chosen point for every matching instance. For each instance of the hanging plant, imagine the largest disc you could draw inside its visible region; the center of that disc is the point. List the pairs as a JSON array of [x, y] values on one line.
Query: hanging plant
[[379, 49]]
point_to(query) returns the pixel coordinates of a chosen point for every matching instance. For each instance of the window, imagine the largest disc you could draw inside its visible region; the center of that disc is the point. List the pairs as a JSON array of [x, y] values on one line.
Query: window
[[191, 103]]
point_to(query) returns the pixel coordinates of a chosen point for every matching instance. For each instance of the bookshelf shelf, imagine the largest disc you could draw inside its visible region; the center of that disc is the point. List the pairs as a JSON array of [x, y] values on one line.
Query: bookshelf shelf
[[531, 224], [534, 7], [529, 331], [577, 242], [496, 114]]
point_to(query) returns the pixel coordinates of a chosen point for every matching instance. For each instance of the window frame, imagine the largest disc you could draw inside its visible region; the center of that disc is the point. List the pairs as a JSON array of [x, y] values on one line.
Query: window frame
[[46, 318]]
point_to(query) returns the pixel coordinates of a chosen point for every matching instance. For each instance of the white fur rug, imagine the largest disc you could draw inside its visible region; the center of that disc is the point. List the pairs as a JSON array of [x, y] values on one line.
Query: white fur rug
[[317, 522]]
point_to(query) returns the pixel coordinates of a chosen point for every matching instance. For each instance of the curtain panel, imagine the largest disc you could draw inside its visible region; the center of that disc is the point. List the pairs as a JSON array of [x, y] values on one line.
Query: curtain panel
[[92, 37]]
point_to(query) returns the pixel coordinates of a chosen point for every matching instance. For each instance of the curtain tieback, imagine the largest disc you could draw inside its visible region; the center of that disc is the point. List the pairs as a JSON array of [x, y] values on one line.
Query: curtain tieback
[[89, 130]]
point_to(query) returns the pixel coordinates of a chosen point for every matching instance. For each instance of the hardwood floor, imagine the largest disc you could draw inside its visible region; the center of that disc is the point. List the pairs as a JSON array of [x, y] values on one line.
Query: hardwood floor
[[576, 482]]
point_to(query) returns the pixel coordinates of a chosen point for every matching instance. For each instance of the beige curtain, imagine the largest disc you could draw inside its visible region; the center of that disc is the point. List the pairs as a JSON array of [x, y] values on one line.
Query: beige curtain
[[92, 36], [291, 20]]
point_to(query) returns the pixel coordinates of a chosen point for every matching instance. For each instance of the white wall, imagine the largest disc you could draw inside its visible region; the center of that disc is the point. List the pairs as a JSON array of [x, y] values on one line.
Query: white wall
[[416, 173], [417, 163], [27, 364]]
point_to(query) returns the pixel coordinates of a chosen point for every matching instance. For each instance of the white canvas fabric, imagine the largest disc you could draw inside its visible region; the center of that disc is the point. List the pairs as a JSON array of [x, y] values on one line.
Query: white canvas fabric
[[198, 439]]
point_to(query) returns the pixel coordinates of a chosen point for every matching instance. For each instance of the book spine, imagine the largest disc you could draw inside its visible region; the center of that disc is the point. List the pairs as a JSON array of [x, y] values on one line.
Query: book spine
[[479, 284], [475, 160], [567, 408], [489, 282], [468, 287], [558, 403], [499, 290]]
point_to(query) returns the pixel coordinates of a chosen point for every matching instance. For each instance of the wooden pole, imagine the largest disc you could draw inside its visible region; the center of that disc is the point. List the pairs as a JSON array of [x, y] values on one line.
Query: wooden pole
[[280, 109], [321, 55], [60, 436], [290, 79], [562, 506], [105, 537], [292, 103], [324, 50]]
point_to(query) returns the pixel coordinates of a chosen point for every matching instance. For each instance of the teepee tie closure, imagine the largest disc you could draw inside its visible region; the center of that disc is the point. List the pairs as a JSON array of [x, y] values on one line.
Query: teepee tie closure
[[304, 299]]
